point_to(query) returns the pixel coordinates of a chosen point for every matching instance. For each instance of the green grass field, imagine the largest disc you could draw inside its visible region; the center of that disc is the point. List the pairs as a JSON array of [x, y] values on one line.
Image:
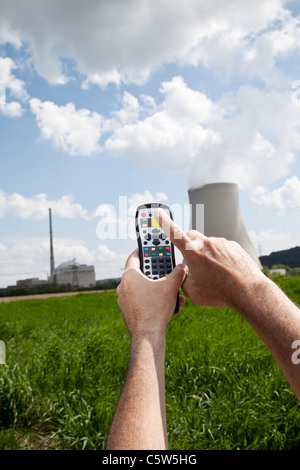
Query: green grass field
[[66, 360]]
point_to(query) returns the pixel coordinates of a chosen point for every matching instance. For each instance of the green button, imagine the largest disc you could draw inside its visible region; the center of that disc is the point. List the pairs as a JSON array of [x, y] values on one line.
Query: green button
[[153, 254], [160, 248]]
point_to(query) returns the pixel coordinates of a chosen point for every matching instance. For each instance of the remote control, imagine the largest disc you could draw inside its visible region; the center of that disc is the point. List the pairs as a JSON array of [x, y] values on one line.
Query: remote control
[[156, 251]]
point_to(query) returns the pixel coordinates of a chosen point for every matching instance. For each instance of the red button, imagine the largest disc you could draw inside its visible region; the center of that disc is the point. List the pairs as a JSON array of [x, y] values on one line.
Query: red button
[[143, 214], [146, 254], [167, 247]]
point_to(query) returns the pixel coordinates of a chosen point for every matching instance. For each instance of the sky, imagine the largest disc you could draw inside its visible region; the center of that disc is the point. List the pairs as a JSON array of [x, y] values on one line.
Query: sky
[[107, 105]]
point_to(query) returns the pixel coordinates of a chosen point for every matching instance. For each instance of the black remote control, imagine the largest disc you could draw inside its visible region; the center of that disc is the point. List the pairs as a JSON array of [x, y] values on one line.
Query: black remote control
[[156, 251]]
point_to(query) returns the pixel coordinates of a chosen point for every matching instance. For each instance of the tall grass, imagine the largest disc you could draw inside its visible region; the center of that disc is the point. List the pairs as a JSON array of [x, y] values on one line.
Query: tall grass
[[66, 361]]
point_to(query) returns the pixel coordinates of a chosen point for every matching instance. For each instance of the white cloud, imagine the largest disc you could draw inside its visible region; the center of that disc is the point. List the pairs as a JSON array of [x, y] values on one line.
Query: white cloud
[[9, 84], [114, 41], [76, 132], [259, 138], [286, 37], [37, 207], [68, 249], [282, 200], [108, 263], [103, 80], [13, 84], [170, 133], [12, 109], [130, 111], [21, 259], [249, 137], [8, 36], [143, 198], [105, 255]]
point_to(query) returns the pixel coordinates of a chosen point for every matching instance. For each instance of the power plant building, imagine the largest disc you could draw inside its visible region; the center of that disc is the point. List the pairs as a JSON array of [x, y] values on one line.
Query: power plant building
[[222, 215], [70, 272], [74, 274]]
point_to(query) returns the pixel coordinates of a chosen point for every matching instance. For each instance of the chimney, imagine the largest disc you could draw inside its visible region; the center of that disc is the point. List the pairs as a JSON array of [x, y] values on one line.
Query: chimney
[[222, 216], [51, 248]]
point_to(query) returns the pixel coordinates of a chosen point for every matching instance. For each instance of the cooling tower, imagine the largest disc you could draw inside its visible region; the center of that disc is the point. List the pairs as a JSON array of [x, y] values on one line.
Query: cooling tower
[[222, 215]]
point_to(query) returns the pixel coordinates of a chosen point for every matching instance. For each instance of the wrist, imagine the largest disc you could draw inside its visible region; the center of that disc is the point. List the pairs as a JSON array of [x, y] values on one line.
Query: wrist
[[250, 292], [154, 339]]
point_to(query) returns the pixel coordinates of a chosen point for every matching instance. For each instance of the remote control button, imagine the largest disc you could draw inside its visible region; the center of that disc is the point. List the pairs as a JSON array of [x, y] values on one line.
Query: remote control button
[[162, 236], [147, 237], [155, 230], [147, 273], [162, 272], [169, 271], [145, 243], [168, 254], [154, 261], [167, 242], [155, 278], [156, 242], [146, 254], [154, 272], [167, 248], [155, 223]]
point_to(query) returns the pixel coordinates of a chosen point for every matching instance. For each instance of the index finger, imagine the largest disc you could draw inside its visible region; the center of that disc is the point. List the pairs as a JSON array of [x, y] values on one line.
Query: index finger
[[177, 236]]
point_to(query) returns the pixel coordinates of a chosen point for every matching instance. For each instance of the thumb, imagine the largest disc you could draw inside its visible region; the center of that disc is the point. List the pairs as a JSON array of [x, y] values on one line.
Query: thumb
[[177, 276]]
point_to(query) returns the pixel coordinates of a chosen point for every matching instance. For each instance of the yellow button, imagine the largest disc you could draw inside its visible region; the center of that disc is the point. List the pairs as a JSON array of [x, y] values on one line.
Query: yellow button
[[161, 254], [155, 223], [153, 249]]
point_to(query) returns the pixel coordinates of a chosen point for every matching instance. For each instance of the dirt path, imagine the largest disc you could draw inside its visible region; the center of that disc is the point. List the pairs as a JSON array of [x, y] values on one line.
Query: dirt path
[[46, 296]]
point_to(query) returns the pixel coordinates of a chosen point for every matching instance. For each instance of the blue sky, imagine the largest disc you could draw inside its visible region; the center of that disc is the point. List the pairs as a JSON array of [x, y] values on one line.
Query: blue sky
[[139, 100]]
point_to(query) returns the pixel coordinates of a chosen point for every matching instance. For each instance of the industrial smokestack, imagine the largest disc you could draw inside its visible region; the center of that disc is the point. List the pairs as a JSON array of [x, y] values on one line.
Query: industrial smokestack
[[222, 216], [52, 268]]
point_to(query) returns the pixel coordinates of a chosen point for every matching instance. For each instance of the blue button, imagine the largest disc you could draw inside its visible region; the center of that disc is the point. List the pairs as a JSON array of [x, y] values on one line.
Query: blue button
[[146, 249], [168, 254]]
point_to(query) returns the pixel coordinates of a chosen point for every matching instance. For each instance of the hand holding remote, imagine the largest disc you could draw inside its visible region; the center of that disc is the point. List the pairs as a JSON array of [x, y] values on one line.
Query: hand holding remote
[[156, 251], [220, 270], [148, 305]]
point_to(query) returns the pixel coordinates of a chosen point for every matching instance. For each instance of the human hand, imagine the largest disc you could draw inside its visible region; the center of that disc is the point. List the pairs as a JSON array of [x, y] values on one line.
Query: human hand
[[148, 305], [220, 270]]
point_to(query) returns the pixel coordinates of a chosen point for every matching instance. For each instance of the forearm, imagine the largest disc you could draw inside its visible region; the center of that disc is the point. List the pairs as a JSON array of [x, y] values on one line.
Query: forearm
[[140, 421], [276, 319]]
